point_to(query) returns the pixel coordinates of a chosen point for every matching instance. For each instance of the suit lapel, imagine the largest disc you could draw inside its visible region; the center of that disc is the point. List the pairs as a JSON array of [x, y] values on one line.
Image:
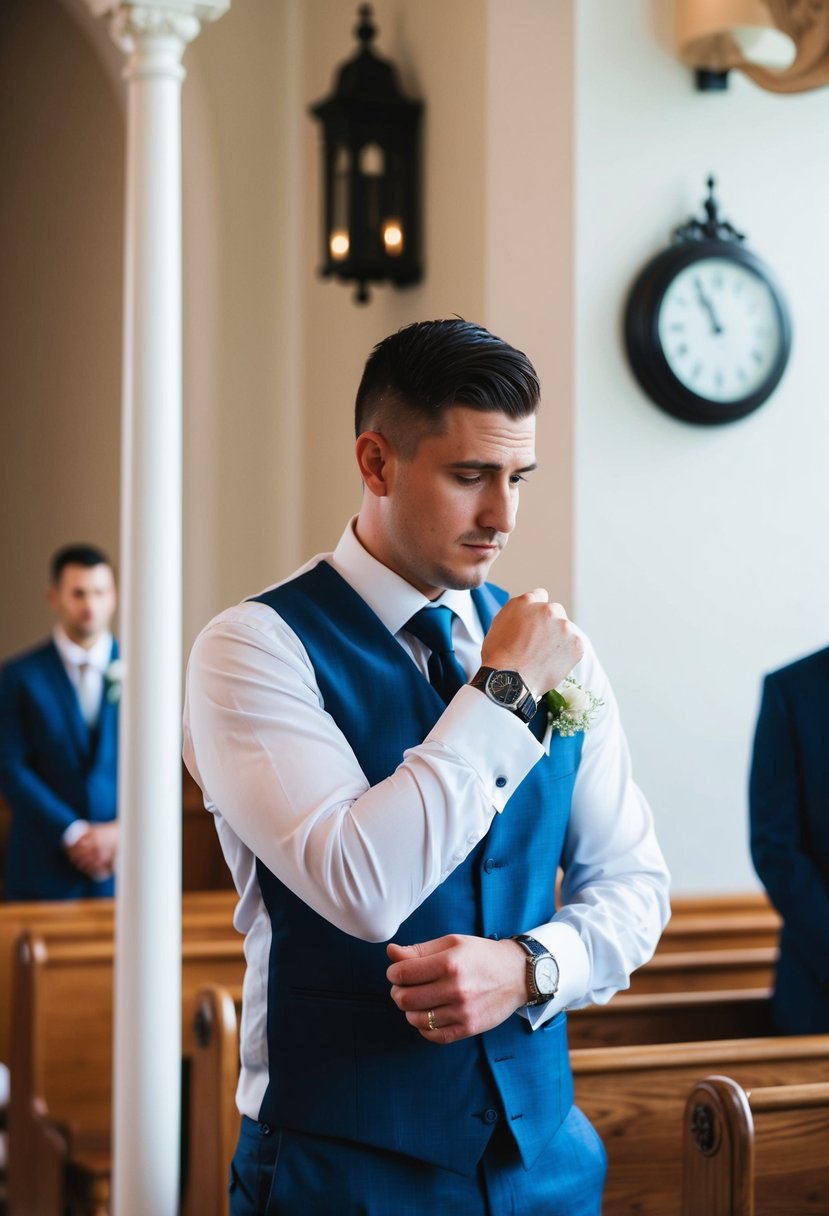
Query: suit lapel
[[104, 737], [60, 684]]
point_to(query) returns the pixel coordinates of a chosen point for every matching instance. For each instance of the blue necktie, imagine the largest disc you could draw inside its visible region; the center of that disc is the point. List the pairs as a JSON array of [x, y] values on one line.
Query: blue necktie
[[433, 627]]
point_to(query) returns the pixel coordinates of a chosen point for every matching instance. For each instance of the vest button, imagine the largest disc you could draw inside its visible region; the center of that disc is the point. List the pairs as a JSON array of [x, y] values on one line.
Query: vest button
[[490, 1116], [489, 864], [500, 782]]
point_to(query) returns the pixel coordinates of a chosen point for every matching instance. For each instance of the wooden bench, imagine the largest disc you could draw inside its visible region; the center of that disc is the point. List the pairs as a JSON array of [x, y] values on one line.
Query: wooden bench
[[204, 914], [756, 1152], [706, 970], [635, 1097], [210, 1042], [61, 1066], [672, 1017], [721, 931]]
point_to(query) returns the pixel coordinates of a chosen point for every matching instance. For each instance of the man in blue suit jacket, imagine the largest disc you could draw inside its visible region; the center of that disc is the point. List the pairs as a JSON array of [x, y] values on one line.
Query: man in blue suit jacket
[[789, 801], [59, 740]]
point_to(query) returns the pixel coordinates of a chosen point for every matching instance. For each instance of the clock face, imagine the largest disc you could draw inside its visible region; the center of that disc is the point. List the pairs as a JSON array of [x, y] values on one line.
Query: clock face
[[719, 329], [707, 330]]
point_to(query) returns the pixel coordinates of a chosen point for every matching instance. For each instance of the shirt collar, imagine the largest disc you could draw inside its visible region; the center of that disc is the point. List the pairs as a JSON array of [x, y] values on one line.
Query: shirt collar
[[388, 595], [97, 656]]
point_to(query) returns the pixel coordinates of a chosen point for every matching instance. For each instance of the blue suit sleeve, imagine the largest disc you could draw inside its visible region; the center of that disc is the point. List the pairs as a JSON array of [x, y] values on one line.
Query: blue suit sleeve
[[26, 792], [779, 836]]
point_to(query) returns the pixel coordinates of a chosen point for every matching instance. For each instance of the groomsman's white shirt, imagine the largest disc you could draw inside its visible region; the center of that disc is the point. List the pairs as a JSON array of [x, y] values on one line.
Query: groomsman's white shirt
[[285, 786]]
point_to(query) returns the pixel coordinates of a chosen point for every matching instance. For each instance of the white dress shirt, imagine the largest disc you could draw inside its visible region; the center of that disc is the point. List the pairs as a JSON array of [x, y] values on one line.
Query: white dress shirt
[[94, 662], [285, 786]]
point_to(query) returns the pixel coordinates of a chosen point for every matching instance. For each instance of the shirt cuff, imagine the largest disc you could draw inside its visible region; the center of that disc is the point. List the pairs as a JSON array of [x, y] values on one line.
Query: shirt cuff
[[76, 829], [494, 742], [570, 953]]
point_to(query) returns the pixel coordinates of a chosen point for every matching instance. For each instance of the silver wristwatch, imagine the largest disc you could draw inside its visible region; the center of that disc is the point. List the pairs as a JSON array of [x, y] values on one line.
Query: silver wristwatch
[[507, 689], [542, 970]]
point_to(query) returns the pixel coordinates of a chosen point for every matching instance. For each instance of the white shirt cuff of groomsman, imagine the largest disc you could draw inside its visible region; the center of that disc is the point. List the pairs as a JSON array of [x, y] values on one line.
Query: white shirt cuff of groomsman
[[570, 953], [76, 829]]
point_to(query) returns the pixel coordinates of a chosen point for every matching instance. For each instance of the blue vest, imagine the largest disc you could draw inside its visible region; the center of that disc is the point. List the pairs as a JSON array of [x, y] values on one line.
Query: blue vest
[[343, 1060]]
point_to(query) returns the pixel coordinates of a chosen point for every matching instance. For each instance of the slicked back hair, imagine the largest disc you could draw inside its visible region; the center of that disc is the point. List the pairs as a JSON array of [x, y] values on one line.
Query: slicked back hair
[[76, 555], [413, 376]]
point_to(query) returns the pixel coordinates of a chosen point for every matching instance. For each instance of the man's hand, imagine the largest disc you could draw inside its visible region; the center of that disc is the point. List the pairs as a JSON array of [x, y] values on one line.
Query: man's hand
[[533, 637], [94, 852], [469, 984]]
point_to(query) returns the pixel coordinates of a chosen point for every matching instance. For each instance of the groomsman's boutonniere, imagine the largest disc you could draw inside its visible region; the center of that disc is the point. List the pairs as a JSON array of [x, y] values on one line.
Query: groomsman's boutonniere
[[113, 679], [570, 707]]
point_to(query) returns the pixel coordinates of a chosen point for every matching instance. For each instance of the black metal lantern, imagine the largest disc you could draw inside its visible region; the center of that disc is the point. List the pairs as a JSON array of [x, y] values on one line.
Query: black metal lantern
[[371, 171]]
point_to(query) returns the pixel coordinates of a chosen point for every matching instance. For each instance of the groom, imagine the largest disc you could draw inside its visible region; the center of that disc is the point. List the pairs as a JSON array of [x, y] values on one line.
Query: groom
[[394, 804], [59, 740]]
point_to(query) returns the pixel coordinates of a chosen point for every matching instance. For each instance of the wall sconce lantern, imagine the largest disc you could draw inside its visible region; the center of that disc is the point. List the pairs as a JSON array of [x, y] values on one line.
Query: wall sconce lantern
[[371, 172]]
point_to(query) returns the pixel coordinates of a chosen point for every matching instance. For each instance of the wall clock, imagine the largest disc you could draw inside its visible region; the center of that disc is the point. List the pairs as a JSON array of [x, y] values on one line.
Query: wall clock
[[707, 330]]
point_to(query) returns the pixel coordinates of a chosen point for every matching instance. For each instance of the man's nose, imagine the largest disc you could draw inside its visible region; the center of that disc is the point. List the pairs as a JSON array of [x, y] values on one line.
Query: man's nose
[[499, 509]]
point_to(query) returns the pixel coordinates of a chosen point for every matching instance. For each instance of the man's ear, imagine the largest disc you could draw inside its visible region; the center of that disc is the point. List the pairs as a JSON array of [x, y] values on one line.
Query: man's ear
[[375, 459]]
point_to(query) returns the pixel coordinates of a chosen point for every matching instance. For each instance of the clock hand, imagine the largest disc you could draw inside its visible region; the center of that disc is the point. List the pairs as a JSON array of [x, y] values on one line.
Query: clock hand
[[716, 328]]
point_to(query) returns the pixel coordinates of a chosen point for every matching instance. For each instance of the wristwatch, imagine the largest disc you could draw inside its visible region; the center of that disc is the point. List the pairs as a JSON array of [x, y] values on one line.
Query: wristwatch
[[542, 970], [507, 689]]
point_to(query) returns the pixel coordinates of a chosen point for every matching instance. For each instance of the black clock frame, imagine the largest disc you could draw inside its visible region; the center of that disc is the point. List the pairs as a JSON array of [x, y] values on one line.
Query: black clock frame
[[644, 349]]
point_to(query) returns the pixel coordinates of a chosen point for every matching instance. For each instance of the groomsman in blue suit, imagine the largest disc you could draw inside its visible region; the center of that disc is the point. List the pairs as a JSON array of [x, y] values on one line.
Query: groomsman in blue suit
[[59, 740], [789, 806], [394, 798]]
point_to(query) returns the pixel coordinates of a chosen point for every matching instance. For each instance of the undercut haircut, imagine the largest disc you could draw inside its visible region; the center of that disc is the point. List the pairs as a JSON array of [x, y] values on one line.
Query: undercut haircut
[[76, 555], [412, 377]]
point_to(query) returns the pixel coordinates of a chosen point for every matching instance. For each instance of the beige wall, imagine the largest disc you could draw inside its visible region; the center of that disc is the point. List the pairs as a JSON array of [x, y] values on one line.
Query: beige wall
[[61, 147], [563, 141]]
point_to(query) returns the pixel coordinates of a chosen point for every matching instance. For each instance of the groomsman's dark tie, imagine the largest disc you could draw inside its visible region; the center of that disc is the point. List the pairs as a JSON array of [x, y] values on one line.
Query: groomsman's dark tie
[[433, 627]]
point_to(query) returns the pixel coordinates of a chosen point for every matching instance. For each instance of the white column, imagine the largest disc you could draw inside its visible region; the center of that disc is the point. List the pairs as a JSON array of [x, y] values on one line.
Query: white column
[[147, 1098]]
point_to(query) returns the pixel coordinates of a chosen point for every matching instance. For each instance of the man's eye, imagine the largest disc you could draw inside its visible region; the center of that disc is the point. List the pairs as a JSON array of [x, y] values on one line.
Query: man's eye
[[468, 479]]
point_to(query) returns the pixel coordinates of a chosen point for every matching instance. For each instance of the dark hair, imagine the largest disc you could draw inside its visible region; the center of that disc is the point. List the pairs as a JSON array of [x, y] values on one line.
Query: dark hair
[[412, 376], [76, 555]]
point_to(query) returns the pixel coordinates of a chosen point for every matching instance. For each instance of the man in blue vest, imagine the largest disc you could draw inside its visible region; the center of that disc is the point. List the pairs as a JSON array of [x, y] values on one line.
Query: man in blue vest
[[59, 740], [394, 799], [789, 807]]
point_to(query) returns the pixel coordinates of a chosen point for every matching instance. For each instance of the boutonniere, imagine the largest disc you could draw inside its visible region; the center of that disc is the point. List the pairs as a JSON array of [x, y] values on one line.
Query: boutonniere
[[570, 707], [113, 680]]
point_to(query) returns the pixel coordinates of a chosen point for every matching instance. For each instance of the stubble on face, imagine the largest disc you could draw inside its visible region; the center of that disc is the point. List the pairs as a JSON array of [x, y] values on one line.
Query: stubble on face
[[453, 502]]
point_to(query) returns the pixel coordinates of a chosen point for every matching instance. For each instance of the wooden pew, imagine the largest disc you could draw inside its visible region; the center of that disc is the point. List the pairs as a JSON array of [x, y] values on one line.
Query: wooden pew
[[204, 914], [721, 931], [672, 1017], [61, 1067], [756, 1152], [210, 1042], [635, 1097], [706, 970]]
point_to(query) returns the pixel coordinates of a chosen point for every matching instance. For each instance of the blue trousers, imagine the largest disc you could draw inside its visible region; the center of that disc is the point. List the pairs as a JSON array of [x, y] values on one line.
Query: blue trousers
[[285, 1173]]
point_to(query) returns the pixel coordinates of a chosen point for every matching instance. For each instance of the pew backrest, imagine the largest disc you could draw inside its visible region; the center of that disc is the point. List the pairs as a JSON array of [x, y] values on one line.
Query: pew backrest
[[756, 1152], [635, 1097]]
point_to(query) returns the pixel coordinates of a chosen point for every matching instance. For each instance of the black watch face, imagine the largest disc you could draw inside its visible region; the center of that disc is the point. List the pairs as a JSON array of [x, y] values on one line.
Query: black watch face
[[506, 687]]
